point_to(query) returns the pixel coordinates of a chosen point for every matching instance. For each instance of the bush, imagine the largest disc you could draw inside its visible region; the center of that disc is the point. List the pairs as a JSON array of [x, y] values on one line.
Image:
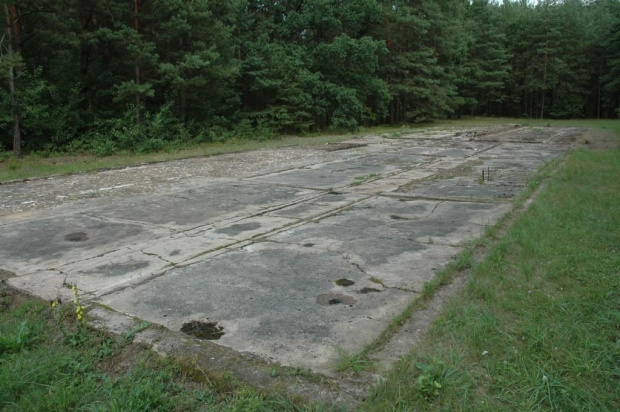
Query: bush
[[156, 132]]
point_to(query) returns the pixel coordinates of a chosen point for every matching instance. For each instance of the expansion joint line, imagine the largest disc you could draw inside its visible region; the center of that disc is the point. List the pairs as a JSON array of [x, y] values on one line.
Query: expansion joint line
[[159, 257], [483, 150]]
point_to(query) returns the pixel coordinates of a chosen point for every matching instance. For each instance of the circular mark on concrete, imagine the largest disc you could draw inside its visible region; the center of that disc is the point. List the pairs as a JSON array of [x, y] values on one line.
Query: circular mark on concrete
[[76, 237], [203, 330], [330, 299], [344, 282], [365, 291]]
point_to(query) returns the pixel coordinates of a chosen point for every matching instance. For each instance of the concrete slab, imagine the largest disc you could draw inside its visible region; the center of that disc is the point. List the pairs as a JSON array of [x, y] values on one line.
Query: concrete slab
[[266, 297], [327, 176], [398, 242], [319, 206], [182, 248], [95, 276], [291, 261], [203, 205], [48, 243], [464, 188]]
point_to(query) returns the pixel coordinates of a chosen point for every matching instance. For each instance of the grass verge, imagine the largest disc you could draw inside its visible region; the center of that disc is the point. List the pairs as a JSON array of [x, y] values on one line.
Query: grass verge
[[49, 361], [537, 326]]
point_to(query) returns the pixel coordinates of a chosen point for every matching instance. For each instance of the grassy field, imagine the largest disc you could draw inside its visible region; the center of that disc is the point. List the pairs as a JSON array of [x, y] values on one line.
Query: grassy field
[[538, 325], [38, 164]]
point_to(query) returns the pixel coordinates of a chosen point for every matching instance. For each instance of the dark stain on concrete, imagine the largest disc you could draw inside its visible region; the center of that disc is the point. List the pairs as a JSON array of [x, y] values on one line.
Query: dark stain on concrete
[[332, 147], [203, 330], [365, 291], [76, 237], [239, 228], [330, 299], [118, 269], [344, 282], [309, 244], [175, 252]]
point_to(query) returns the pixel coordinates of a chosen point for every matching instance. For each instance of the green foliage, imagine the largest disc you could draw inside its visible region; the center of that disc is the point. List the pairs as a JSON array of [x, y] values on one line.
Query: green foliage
[[270, 68], [432, 378], [155, 132], [20, 338], [352, 362]]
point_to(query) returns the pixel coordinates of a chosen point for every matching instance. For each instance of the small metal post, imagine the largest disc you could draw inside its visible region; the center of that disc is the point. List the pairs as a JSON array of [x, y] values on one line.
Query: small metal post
[[483, 175], [488, 173]]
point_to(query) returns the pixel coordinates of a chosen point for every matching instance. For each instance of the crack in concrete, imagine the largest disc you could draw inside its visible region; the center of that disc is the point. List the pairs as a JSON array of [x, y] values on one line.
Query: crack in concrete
[[347, 259], [435, 208], [161, 258], [479, 152], [433, 243], [374, 279], [442, 199], [92, 214], [92, 258]]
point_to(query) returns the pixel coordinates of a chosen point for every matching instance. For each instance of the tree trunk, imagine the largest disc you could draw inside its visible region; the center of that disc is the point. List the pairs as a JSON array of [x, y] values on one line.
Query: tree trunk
[[544, 86], [136, 4], [86, 11], [138, 100], [17, 149], [598, 103], [183, 104], [16, 28]]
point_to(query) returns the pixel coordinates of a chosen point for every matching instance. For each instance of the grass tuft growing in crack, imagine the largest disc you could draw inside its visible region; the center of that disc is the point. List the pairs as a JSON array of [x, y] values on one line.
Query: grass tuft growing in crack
[[352, 362]]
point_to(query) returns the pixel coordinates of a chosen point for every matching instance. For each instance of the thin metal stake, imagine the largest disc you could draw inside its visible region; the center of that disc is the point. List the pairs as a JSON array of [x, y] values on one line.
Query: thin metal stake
[[483, 175], [488, 173]]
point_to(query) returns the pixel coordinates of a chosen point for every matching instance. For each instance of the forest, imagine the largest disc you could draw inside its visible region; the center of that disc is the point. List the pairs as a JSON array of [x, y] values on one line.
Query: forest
[[105, 76]]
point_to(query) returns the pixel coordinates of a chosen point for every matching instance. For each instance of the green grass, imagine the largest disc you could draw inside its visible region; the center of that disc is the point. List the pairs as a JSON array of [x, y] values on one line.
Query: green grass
[[44, 369], [538, 325], [363, 179], [352, 361]]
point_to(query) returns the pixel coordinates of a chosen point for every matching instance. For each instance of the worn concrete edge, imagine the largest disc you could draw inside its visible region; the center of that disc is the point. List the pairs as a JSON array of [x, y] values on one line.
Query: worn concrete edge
[[214, 362], [209, 362]]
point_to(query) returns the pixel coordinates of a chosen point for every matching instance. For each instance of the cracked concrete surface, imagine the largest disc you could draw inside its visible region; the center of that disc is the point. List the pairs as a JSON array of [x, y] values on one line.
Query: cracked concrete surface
[[263, 252]]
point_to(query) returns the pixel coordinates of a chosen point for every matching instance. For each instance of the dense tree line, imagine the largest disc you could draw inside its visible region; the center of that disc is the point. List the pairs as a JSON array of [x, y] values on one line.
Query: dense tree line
[[107, 75]]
